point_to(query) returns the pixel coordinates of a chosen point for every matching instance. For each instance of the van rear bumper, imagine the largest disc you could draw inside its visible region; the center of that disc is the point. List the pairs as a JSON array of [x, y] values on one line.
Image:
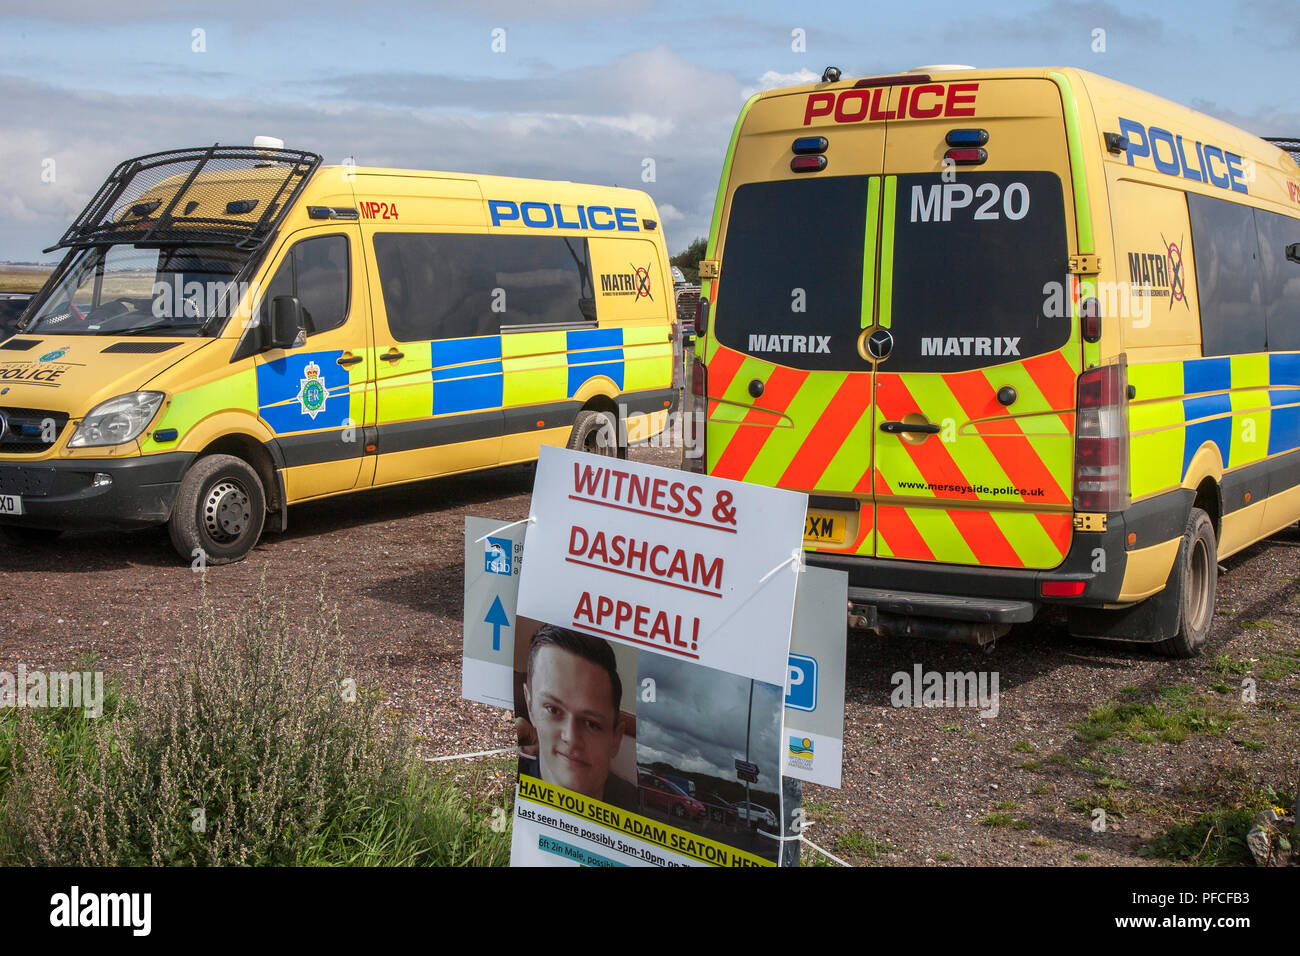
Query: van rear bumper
[[1006, 595], [62, 494]]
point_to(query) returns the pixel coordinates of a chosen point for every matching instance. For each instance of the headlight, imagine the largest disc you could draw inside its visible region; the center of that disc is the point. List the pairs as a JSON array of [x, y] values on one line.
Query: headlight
[[117, 420]]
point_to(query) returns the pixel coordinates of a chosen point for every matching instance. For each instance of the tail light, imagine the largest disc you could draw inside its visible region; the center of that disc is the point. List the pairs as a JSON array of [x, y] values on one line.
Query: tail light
[[1101, 462], [678, 367], [694, 421]]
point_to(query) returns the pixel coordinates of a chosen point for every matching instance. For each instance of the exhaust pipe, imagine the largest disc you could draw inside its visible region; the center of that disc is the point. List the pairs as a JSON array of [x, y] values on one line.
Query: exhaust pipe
[[866, 617]]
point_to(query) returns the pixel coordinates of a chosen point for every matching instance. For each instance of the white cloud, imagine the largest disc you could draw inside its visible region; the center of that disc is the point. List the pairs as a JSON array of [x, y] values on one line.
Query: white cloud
[[772, 80], [586, 125]]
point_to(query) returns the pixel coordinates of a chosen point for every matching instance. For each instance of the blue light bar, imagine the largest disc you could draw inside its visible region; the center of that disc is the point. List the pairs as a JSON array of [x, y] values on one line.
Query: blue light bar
[[810, 144], [967, 137]]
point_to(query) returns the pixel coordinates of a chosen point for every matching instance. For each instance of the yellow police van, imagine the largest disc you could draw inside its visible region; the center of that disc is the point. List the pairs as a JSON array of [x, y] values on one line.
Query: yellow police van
[[1026, 337], [235, 330]]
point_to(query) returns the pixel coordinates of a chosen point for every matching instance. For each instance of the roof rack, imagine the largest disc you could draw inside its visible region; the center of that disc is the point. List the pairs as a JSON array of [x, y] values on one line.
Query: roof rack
[[1288, 143], [216, 195]]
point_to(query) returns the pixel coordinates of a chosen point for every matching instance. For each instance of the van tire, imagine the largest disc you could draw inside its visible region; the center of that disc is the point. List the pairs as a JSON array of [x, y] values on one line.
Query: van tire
[[220, 510], [596, 433], [1196, 573]]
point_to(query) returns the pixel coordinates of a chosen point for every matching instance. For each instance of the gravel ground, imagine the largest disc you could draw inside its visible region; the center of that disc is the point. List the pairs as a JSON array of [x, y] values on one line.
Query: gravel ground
[[920, 785]]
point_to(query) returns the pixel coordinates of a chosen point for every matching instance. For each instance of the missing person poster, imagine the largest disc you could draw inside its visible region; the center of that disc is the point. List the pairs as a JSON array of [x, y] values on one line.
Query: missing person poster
[[630, 758], [651, 662]]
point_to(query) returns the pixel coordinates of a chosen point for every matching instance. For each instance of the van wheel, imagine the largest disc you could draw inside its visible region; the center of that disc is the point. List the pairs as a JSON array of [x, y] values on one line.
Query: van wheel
[[1197, 568], [595, 433], [220, 509]]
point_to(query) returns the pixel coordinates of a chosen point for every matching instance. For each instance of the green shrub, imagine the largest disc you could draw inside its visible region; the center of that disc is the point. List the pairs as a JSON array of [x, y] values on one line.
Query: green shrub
[[261, 746]]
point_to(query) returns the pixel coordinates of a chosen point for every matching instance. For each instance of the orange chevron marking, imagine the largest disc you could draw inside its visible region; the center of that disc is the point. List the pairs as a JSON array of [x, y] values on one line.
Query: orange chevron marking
[[1014, 452], [781, 387], [851, 401], [901, 535], [983, 536]]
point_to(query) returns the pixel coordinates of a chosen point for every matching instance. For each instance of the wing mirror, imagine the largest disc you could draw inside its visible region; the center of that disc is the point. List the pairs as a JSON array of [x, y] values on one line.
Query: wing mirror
[[287, 328]]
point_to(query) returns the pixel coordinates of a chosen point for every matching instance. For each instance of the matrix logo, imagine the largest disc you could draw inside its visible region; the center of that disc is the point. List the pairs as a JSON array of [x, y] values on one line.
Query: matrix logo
[[635, 282], [1159, 275]]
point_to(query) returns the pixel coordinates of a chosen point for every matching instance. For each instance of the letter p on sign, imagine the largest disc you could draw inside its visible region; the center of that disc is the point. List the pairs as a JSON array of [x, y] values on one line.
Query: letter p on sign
[[801, 684]]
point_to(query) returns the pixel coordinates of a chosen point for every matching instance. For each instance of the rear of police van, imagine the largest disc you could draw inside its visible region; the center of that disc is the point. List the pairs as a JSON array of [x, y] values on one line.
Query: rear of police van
[[893, 329]]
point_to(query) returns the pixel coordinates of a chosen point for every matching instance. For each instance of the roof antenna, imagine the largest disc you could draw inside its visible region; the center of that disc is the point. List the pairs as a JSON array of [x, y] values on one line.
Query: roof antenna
[[831, 74]]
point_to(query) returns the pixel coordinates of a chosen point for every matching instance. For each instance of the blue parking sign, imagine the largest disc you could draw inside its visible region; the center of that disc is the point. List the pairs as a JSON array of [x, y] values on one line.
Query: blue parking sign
[[801, 683]]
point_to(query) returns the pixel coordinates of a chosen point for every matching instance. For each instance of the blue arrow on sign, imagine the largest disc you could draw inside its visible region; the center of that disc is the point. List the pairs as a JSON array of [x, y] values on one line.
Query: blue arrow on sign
[[496, 616]]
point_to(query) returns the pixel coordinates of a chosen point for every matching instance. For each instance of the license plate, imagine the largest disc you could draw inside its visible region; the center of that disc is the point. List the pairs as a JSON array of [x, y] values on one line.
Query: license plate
[[824, 527], [11, 504]]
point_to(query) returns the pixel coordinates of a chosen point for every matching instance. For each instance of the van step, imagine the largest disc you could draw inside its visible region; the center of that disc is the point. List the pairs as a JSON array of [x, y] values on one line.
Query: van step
[[951, 606]]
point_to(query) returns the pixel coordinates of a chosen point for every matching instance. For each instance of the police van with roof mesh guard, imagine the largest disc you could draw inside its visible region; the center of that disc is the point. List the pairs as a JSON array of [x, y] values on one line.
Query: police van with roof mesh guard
[[234, 330]]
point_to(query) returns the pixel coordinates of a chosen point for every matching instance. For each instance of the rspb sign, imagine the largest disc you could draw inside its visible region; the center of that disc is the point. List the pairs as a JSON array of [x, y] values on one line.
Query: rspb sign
[[493, 558]]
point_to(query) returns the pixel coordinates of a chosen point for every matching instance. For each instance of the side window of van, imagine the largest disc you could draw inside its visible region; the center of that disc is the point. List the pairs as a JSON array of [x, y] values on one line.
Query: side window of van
[[316, 271], [1228, 283], [1281, 279], [458, 286]]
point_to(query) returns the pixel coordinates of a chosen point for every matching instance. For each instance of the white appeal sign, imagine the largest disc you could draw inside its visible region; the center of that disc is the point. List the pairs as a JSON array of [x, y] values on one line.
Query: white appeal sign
[[689, 565]]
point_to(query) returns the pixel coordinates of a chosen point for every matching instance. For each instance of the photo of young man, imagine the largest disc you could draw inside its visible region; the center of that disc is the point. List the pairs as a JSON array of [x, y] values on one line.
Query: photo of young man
[[573, 723]]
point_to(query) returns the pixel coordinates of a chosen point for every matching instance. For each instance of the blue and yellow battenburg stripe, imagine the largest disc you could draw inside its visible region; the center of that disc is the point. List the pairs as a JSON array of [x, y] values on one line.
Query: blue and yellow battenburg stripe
[[471, 374], [1245, 406]]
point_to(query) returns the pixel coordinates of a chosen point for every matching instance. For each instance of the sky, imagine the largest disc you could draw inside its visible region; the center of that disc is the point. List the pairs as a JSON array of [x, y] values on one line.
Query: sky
[[696, 723], [552, 89]]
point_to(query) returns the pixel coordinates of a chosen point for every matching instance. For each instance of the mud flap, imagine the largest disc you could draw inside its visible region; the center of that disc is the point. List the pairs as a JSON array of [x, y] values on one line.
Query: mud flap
[[1148, 622]]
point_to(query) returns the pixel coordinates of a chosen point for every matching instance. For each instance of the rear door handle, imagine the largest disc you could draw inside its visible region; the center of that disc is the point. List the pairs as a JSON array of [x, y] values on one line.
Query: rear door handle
[[392, 356], [898, 428], [346, 360]]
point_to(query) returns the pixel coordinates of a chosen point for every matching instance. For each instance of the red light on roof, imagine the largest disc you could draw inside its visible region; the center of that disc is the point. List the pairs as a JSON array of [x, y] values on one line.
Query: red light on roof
[[967, 156], [808, 164]]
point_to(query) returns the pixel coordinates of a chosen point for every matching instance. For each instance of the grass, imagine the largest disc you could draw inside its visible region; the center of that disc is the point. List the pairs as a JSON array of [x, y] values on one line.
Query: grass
[[823, 810], [1114, 807], [18, 281], [1226, 664], [1029, 765], [1277, 667], [1024, 747], [1216, 838], [1040, 840], [1260, 625], [1172, 717], [1083, 857], [245, 753], [944, 857], [862, 845], [997, 820]]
